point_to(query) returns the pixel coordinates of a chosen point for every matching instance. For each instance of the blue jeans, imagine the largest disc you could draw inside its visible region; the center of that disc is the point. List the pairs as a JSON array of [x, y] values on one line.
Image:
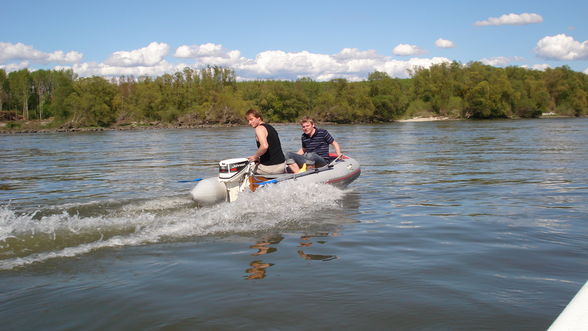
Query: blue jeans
[[304, 158]]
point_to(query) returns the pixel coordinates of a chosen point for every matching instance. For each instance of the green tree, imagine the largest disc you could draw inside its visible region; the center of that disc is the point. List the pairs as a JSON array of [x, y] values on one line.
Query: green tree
[[225, 107], [579, 101], [310, 89], [388, 97], [145, 101], [20, 87], [3, 88], [42, 86], [479, 104], [91, 102], [566, 90], [62, 81], [491, 95], [343, 102], [442, 86], [125, 86]]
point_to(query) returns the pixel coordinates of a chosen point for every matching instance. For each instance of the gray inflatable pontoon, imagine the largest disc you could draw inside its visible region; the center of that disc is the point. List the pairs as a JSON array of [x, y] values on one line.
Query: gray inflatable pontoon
[[236, 175]]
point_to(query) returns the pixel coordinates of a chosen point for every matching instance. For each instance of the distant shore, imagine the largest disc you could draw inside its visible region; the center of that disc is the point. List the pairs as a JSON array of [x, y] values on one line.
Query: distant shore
[[113, 128], [34, 127], [425, 119]]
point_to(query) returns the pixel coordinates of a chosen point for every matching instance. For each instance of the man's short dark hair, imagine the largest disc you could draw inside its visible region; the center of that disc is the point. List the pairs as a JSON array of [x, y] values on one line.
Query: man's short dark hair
[[255, 113]]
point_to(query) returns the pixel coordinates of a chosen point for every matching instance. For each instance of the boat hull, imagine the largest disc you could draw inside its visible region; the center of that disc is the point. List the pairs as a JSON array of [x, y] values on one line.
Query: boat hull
[[339, 173]]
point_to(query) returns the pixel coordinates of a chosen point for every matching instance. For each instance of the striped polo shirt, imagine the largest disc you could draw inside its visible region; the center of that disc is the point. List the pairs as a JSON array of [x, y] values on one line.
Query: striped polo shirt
[[318, 143]]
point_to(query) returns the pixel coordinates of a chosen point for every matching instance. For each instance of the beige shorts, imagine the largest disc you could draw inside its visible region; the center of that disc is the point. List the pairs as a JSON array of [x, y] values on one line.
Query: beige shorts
[[271, 169]]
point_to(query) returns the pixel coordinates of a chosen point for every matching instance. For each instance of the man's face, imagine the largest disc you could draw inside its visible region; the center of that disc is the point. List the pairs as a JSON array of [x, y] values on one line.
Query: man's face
[[307, 128], [253, 121]]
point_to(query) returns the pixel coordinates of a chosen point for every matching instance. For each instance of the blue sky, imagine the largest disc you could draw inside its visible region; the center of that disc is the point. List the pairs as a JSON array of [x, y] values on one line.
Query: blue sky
[[289, 39]]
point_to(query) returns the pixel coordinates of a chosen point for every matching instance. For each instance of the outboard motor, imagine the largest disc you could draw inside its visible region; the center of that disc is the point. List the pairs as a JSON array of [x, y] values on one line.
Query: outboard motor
[[232, 173], [232, 179]]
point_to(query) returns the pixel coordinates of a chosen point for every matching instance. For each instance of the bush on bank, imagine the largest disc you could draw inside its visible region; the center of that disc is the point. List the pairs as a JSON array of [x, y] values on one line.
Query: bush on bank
[[213, 96]]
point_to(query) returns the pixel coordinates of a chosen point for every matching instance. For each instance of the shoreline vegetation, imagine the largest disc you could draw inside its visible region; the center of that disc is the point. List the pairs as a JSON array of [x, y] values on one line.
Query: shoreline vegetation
[[36, 127], [59, 101]]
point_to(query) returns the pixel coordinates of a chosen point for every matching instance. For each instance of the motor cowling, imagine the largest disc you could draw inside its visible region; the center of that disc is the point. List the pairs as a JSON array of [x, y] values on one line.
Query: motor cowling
[[232, 168]]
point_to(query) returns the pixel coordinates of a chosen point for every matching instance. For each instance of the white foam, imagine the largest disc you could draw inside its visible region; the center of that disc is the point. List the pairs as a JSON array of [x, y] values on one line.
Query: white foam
[[158, 204], [145, 222]]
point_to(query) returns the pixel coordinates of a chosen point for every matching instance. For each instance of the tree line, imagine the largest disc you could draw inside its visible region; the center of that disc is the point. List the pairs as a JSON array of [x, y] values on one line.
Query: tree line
[[212, 95]]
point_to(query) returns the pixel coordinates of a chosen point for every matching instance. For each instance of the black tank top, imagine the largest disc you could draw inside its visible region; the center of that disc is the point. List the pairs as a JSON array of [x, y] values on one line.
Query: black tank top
[[274, 154]]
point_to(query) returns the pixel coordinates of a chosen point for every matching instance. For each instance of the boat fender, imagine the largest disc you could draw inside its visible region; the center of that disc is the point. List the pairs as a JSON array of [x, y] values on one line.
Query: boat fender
[[209, 191]]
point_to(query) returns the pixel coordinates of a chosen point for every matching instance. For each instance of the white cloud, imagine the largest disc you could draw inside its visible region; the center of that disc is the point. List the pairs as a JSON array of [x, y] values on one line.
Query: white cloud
[[204, 50], [231, 58], [402, 69], [444, 43], [407, 50], [146, 56], [512, 19], [15, 66], [562, 47], [354, 53], [586, 71], [69, 57], [280, 63], [350, 63], [20, 51], [210, 54], [102, 69], [541, 66], [501, 60]]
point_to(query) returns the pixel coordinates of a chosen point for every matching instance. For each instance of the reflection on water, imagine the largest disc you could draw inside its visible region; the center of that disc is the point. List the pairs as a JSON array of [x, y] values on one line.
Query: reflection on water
[[263, 246], [305, 241], [257, 270], [267, 245], [317, 257]]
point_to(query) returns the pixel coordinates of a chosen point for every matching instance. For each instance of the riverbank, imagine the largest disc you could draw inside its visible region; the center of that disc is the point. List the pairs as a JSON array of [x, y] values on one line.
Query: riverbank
[[426, 119], [36, 127], [45, 126]]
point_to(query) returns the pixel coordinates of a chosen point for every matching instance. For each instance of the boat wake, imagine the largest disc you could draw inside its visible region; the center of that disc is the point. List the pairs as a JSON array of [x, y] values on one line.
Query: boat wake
[[72, 230]]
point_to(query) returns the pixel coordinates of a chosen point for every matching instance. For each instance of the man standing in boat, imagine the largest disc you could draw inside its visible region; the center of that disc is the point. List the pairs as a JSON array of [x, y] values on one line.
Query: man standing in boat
[[269, 149], [315, 147]]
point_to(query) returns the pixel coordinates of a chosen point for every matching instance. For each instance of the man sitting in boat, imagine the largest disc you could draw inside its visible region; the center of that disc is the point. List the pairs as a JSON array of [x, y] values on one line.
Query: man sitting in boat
[[315, 147], [269, 149]]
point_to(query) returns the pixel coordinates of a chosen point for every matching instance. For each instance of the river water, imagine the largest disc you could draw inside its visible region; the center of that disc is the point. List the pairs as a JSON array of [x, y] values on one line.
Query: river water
[[454, 225]]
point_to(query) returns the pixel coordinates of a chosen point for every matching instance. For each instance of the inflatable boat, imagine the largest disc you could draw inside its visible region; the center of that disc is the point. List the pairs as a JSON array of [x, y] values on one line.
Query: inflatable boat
[[236, 175]]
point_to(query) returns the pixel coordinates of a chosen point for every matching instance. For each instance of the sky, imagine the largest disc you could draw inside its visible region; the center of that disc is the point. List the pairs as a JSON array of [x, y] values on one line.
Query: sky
[[320, 39]]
